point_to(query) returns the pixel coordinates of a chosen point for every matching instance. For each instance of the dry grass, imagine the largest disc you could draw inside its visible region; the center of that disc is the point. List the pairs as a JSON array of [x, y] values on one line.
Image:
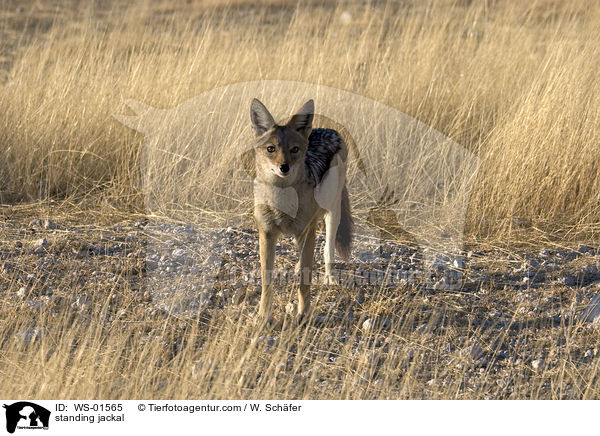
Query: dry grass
[[513, 83], [88, 328]]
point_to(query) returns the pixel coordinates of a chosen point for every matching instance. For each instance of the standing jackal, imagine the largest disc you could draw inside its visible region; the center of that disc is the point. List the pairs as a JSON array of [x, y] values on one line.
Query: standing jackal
[[300, 178]]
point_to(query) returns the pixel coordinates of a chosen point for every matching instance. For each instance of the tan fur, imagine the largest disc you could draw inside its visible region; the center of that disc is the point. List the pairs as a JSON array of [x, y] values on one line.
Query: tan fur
[[278, 145]]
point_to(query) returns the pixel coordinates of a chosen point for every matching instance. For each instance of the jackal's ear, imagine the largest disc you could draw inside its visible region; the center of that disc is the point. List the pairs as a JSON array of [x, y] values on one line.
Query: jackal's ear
[[262, 120], [302, 120]]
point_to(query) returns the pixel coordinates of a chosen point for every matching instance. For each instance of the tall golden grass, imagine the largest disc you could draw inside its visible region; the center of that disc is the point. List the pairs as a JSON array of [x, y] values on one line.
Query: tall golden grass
[[514, 83]]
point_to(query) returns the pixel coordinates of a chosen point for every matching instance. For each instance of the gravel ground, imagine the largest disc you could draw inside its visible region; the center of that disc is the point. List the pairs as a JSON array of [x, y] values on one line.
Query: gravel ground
[[183, 269], [491, 312]]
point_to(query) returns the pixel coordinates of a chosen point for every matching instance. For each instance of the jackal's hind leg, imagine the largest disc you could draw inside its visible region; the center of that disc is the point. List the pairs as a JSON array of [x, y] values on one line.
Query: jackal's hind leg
[[332, 221]]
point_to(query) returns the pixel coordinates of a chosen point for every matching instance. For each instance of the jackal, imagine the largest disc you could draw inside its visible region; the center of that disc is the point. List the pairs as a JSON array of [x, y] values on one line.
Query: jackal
[[300, 178]]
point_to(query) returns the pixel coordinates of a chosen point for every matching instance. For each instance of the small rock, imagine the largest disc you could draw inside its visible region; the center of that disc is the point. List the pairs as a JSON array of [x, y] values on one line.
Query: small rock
[[269, 341], [237, 296], [35, 223], [368, 325], [432, 382], [290, 309], [82, 302], [45, 224], [474, 352], [568, 280], [458, 263], [537, 364], [49, 224], [421, 328], [34, 304], [503, 382], [544, 253], [29, 336], [41, 243]]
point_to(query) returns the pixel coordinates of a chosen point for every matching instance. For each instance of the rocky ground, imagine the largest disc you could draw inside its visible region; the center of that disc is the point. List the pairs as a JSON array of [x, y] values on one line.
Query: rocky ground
[[497, 317], [207, 266]]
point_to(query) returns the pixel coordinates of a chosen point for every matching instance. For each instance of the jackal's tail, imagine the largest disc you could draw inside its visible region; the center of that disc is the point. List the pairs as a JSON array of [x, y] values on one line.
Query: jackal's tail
[[343, 237]]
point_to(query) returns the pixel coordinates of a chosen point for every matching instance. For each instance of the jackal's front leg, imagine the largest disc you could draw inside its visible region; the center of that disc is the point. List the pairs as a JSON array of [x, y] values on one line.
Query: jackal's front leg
[[306, 245], [267, 243]]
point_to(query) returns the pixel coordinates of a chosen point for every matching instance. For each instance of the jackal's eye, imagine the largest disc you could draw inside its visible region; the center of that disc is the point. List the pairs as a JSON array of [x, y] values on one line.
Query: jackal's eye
[[271, 148], [295, 150]]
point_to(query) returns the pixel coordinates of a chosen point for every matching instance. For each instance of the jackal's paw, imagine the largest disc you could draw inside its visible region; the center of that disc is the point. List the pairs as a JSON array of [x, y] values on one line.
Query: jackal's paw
[[329, 279], [297, 317]]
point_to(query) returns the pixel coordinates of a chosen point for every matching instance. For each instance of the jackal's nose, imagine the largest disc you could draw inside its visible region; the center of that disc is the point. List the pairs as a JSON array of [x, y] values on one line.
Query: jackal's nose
[[284, 168]]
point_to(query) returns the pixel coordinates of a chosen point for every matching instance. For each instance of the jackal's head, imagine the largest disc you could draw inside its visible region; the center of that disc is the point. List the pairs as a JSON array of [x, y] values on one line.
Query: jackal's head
[[280, 149]]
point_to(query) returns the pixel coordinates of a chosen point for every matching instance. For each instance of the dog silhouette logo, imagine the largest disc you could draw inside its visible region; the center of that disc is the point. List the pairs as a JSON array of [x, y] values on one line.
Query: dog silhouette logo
[[26, 415]]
